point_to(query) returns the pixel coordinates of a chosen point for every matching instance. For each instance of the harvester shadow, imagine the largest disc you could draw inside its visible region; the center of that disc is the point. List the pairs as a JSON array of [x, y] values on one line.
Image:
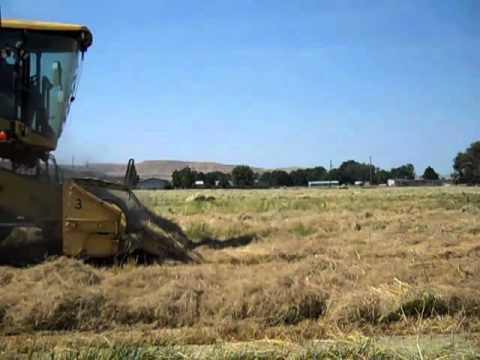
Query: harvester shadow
[[235, 242], [171, 242], [173, 228], [167, 225]]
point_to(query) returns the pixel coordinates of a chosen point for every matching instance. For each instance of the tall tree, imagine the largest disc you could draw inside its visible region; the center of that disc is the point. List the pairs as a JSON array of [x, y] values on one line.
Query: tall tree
[[199, 176], [299, 177], [184, 178], [216, 178], [403, 172], [430, 174], [334, 174], [351, 171], [265, 179], [243, 176], [467, 165], [317, 173], [382, 176], [280, 178]]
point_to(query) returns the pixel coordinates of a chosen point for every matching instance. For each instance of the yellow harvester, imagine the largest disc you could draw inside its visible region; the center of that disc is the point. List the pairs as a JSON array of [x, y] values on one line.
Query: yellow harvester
[[40, 212]]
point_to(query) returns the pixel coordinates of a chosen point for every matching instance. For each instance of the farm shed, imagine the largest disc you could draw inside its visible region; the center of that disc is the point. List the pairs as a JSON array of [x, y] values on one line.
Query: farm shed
[[153, 184], [199, 184], [416, 182], [324, 183]]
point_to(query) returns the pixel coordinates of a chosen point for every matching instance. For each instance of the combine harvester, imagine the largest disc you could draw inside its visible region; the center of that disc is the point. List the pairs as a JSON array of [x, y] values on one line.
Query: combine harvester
[[41, 214]]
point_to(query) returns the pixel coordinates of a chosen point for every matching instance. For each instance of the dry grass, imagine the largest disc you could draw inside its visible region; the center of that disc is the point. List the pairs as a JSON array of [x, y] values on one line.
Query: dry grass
[[441, 347], [283, 264]]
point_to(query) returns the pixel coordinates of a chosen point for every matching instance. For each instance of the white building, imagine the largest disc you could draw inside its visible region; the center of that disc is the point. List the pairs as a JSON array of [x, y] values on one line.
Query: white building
[[323, 183], [199, 183]]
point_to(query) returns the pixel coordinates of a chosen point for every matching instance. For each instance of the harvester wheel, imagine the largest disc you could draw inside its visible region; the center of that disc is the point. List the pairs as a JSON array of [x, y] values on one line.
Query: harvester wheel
[[5, 232]]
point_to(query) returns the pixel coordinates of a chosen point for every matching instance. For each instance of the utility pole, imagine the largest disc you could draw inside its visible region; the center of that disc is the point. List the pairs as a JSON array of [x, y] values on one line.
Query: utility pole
[[329, 177], [371, 171], [73, 162]]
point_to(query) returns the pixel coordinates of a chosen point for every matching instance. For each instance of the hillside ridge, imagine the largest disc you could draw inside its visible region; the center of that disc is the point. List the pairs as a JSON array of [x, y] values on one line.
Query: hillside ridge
[[150, 168]]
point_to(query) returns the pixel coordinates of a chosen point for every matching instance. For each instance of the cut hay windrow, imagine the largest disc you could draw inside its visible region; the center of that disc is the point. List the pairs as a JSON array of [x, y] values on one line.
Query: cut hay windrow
[[279, 271]]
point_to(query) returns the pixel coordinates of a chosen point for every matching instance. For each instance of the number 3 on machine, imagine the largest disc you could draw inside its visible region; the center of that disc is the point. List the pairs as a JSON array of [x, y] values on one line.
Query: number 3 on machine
[[78, 204]]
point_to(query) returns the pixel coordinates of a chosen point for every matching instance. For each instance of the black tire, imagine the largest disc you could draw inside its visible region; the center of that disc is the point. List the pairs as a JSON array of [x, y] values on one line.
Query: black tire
[[29, 245], [5, 232]]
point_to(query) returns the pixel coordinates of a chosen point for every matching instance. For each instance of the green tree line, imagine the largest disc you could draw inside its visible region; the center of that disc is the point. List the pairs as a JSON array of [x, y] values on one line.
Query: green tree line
[[466, 167], [244, 177]]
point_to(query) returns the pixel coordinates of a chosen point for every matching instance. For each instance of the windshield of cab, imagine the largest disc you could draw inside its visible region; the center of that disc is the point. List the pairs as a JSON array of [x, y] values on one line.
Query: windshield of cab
[[38, 75]]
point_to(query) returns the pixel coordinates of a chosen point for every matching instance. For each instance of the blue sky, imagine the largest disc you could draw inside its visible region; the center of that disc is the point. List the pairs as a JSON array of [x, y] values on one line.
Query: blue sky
[[273, 83]]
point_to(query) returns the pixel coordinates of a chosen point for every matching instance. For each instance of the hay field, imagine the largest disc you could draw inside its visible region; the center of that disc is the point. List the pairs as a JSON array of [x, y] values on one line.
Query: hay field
[[290, 266]]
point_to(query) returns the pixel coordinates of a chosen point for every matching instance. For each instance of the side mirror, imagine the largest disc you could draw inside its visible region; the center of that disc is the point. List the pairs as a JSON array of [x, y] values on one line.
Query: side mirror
[[57, 74]]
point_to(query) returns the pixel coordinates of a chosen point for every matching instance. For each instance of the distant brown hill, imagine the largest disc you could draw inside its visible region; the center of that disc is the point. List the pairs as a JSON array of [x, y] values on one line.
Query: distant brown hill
[[150, 168]]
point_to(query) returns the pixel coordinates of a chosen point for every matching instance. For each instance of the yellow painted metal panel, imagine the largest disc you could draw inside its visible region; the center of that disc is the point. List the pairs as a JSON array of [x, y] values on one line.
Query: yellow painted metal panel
[[91, 226]]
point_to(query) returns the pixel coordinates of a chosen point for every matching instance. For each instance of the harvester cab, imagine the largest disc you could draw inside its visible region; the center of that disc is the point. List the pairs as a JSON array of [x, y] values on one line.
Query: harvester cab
[[40, 214], [39, 65]]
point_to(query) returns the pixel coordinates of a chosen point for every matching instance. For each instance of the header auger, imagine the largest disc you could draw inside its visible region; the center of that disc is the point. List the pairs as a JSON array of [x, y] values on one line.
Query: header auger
[[42, 214]]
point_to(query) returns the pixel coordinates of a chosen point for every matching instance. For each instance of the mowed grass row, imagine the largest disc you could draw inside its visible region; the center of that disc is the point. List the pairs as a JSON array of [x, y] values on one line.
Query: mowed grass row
[[236, 207], [290, 264], [360, 348], [261, 201]]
